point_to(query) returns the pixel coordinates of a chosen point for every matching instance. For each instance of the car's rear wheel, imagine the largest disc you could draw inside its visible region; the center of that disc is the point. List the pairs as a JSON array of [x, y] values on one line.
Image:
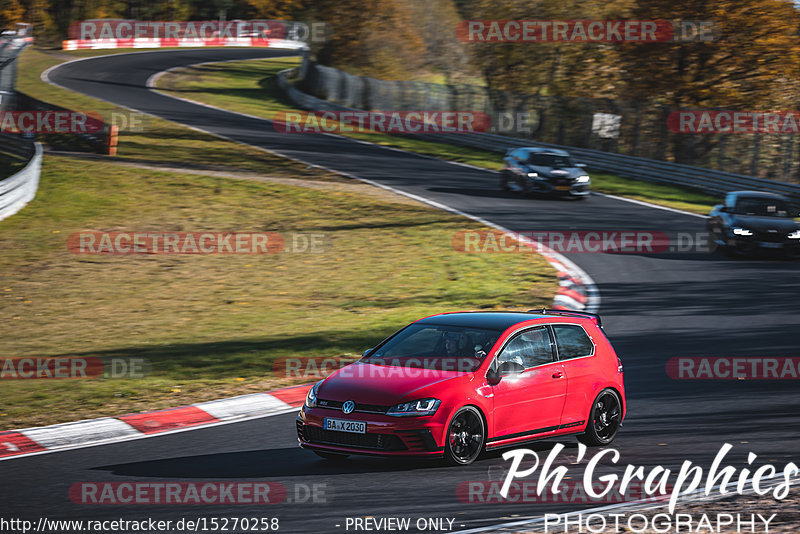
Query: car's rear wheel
[[465, 437], [333, 456], [604, 419]]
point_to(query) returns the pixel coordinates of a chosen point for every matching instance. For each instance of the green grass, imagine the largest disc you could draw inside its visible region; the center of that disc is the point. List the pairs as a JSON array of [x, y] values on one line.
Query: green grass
[[212, 326], [250, 87], [664, 195]]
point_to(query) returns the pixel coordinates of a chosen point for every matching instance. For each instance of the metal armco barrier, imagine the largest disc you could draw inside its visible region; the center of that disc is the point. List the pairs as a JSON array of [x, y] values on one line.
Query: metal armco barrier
[[19, 189], [704, 180]]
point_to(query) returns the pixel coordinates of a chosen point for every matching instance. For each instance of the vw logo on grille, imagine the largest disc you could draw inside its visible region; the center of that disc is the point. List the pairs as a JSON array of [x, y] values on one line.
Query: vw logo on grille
[[348, 407]]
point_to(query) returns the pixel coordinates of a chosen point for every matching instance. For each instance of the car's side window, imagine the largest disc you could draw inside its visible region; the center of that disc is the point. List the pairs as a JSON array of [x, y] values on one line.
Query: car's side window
[[573, 341], [529, 348]]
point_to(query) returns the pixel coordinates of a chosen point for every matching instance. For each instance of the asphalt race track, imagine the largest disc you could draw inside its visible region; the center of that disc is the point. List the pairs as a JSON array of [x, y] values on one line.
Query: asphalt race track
[[654, 307]]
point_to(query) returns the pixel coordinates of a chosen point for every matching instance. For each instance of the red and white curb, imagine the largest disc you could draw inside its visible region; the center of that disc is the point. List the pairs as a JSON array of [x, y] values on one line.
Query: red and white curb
[[104, 430], [151, 42]]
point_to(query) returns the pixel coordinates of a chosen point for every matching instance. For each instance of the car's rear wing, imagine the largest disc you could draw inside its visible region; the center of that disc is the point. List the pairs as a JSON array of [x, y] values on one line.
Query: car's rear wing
[[570, 313]]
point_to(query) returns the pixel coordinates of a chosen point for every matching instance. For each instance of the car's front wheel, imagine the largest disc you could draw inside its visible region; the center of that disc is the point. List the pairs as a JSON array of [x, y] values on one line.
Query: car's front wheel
[[604, 419], [466, 436]]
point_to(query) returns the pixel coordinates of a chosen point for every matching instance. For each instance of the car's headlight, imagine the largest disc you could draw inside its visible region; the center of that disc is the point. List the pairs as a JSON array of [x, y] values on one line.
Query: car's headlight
[[741, 231], [582, 179], [311, 398], [533, 175], [794, 235], [415, 408]]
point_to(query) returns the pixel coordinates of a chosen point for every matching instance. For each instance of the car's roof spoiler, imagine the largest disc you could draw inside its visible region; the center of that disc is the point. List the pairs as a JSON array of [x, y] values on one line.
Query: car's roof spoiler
[[569, 313]]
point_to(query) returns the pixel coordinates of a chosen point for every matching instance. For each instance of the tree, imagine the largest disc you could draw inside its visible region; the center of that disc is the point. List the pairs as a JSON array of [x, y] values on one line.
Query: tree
[[11, 12], [371, 37], [752, 63]]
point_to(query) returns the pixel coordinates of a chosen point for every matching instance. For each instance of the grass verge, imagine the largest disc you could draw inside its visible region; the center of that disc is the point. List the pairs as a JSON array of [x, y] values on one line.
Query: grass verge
[[250, 87], [176, 144]]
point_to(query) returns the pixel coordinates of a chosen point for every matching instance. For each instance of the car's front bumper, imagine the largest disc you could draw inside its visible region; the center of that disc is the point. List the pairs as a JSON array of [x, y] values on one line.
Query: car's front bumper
[[764, 243], [567, 188], [385, 436]]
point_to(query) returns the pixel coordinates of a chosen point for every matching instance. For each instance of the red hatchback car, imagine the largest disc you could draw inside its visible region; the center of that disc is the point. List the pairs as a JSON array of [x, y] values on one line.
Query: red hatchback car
[[457, 384]]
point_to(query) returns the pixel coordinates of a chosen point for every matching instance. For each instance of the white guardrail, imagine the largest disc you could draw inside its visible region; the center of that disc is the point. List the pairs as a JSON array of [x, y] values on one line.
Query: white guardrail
[[705, 180], [20, 188]]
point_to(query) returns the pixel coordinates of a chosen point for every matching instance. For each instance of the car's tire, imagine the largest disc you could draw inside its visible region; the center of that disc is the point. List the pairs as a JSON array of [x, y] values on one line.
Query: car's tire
[[465, 438], [332, 456], [605, 418]]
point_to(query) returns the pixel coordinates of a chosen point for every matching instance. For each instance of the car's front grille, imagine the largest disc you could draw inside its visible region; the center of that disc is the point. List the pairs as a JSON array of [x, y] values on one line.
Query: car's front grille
[[771, 237], [360, 407], [381, 442]]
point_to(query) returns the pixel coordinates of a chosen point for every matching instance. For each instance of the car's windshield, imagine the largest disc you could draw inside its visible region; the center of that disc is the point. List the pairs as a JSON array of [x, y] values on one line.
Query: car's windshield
[[442, 347], [549, 160], [762, 207]]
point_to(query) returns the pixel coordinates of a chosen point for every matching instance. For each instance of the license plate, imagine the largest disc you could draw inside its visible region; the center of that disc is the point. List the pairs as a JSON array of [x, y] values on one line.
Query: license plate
[[341, 425], [563, 187], [766, 244]]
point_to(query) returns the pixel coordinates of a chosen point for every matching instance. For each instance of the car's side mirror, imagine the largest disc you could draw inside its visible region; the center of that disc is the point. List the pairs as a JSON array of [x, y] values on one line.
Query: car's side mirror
[[510, 369], [367, 352]]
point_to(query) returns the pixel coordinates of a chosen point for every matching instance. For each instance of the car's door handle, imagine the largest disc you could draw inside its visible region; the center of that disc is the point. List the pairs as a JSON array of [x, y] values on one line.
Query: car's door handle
[[558, 374]]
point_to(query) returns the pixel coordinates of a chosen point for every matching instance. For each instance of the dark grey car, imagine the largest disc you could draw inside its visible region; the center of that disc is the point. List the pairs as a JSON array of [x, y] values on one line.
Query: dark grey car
[[544, 170], [750, 221]]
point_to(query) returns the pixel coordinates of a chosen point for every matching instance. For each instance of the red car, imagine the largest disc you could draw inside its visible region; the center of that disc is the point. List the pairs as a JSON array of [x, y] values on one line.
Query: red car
[[456, 384]]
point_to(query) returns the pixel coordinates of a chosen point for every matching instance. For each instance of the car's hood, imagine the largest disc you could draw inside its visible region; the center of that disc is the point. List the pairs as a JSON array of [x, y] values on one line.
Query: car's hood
[[762, 224], [382, 385]]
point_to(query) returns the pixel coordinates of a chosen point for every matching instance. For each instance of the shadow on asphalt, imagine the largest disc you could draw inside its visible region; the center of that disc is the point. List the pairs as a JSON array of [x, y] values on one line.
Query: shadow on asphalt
[[291, 462]]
